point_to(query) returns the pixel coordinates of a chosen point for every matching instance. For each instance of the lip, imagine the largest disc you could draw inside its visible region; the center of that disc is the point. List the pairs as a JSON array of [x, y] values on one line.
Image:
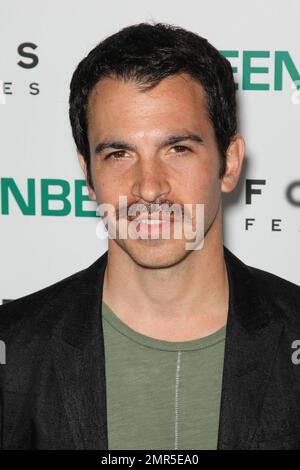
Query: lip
[[164, 218], [153, 227], [152, 221]]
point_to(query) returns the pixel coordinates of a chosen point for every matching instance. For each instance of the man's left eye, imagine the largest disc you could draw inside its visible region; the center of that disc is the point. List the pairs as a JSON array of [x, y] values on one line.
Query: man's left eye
[[180, 148]]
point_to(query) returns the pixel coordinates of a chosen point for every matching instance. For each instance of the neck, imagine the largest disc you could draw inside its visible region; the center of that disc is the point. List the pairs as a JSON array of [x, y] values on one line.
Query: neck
[[182, 302]]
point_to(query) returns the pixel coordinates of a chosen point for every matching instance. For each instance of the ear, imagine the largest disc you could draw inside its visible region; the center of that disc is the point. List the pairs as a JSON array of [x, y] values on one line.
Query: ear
[[82, 162], [234, 162]]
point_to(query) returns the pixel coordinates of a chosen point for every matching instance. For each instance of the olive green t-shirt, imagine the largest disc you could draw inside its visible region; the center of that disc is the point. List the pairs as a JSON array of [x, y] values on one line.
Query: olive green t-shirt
[[161, 394]]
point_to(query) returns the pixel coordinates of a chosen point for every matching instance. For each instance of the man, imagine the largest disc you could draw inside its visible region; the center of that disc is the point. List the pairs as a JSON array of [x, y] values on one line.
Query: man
[[155, 345]]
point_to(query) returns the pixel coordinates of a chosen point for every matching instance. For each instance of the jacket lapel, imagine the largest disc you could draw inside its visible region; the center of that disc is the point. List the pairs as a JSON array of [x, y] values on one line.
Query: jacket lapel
[[79, 359], [251, 339]]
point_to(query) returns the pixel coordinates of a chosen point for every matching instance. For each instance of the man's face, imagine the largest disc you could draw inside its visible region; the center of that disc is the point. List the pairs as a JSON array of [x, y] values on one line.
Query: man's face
[[154, 161]]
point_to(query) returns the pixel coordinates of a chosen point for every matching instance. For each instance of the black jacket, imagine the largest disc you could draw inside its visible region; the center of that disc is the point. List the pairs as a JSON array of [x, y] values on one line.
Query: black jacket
[[52, 387]]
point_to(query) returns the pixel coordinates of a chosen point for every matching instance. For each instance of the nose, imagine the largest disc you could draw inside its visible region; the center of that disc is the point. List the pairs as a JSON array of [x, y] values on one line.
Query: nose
[[150, 181]]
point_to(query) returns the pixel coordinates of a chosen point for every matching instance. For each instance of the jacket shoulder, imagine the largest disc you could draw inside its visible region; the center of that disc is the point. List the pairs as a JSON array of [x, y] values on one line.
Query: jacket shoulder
[[276, 287], [34, 308], [279, 294]]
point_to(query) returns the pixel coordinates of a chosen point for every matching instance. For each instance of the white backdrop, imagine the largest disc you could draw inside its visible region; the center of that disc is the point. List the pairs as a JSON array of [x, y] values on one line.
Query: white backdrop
[[36, 144]]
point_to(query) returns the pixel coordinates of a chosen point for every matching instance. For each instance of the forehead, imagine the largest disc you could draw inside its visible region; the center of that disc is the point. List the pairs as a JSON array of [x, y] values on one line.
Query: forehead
[[177, 100]]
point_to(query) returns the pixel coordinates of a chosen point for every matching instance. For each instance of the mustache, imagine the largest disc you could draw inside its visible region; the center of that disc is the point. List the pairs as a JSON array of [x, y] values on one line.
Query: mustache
[[168, 207]]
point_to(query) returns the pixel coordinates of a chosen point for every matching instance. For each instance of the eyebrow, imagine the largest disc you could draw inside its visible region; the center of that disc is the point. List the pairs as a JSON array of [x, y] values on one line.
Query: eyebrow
[[173, 139]]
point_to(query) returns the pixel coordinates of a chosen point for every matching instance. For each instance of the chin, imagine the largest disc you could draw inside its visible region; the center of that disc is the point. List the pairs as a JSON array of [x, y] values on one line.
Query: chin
[[156, 254]]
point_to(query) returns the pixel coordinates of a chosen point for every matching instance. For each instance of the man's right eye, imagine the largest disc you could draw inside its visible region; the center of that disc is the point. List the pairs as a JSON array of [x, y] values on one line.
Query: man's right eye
[[115, 155]]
